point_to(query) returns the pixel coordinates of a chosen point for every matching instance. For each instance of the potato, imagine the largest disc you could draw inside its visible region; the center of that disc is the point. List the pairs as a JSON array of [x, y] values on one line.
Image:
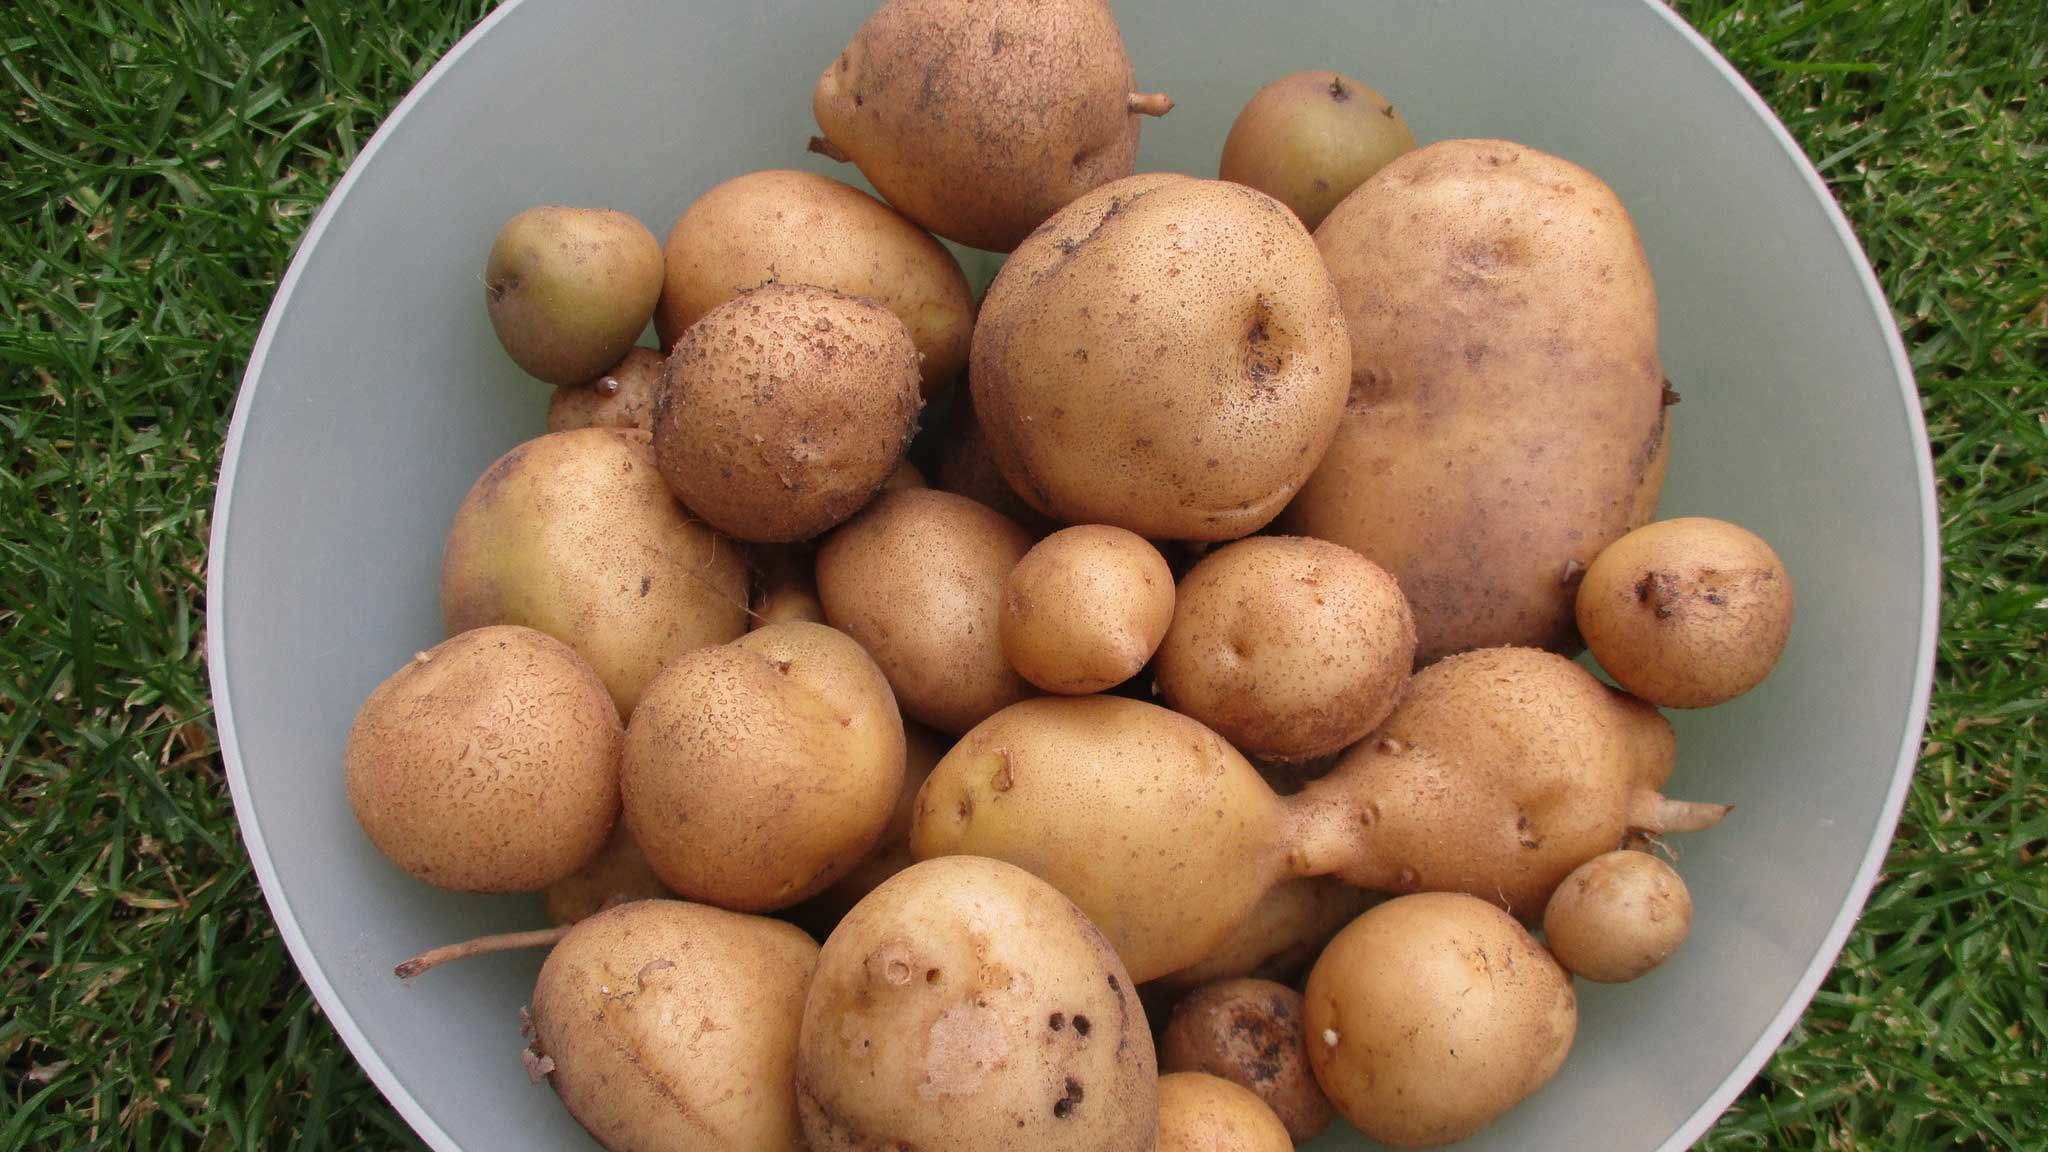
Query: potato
[[978, 121], [622, 397], [1250, 1032], [922, 751], [1308, 139], [1165, 355], [1617, 916], [575, 534], [570, 289], [787, 227], [1506, 400], [1290, 648], [1202, 1113], [1687, 613], [1282, 933], [786, 409], [619, 875], [917, 578], [490, 763], [965, 1004], [966, 469], [1432, 1015], [906, 475], [1085, 609], [1148, 821], [758, 773], [663, 1024]]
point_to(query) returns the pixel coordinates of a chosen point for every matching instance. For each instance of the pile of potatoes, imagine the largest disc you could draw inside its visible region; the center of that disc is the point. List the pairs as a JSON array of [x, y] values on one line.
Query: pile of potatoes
[[1189, 767]]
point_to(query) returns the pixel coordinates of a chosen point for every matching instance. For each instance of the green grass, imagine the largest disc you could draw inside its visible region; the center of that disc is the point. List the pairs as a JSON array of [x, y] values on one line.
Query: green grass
[[159, 159]]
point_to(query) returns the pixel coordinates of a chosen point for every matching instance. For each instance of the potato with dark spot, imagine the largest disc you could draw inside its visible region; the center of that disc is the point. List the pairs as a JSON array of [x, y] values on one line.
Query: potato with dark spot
[[978, 121], [1290, 648], [1687, 613], [917, 578], [967, 1004], [1166, 355], [1203, 1113], [786, 409], [570, 289], [575, 534], [786, 227], [1308, 139], [1280, 936], [1250, 1032], [1507, 404], [490, 763], [922, 751], [1085, 609], [759, 772], [619, 875], [1617, 916], [623, 397]]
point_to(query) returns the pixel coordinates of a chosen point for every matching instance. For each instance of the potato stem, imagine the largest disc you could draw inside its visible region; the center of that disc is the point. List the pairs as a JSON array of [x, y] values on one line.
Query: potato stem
[[1151, 103], [827, 149], [1653, 812], [481, 946]]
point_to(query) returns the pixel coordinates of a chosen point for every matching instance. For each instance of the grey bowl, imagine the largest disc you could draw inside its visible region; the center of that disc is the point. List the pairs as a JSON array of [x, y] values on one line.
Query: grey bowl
[[377, 394]]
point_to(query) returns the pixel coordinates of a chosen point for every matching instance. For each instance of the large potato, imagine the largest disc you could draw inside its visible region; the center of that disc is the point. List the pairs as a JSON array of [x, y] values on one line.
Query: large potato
[[785, 227], [1166, 355], [965, 1004], [917, 578], [575, 534], [1506, 401]]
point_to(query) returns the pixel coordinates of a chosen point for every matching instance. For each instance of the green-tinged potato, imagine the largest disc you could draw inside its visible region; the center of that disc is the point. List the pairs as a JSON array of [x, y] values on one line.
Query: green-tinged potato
[[1308, 139], [759, 772], [1432, 1015], [490, 763], [1251, 1033], [619, 875], [1281, 935], [917, 578], [1507, 405], [1203, 1113], [786, 227], [1166, 355], [570, 289], [622, 397], [575, 534], [965, 1004], [922, 751], [1617, 916], [1086, 608]]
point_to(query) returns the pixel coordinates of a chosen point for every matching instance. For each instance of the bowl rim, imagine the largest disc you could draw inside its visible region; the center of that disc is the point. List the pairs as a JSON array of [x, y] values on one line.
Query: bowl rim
[[1688, 1131]]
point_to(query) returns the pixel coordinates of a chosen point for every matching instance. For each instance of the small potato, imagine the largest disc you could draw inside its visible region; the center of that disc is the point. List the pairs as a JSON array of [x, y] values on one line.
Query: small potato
[[1250, 1032], [1203, 1113], [1085, 609], [758, 773], [785, 410], [1432, 1015], [487, 764], [1308, 139], [623, 397], [917, 578], [922, 751], [570, 289], [1280, 936], [619, 875], [1617, 916], [1687, 613], [1290, 648], [965, 1004]]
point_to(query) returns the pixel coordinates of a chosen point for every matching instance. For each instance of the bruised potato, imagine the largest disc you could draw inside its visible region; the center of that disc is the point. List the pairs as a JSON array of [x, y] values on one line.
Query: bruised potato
[[1085, 609], [1250, 1032], [1203, 1113], [1308, 139], [622, 397], [1281, 935], [1617, 916], [966, 1004]]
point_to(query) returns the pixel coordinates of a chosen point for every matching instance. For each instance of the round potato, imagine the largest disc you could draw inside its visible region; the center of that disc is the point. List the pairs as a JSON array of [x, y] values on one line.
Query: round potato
[[1432, 1015], [1290, 648], [619, 875], [570, 289], [1250, 1032], [623, 397], [759, 772], [786, 409], [1203, 1113], [1308, 139], [966, 1004], [1617, 916], [575, 534], [785, 227], [1687, 613], [1085, 609], [917, 578], [1281, 935]]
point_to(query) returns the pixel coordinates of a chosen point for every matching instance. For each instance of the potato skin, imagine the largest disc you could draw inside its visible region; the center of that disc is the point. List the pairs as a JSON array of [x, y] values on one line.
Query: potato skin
[[759, 772], [575, 534], [788, 227], [1617, 916], [619, 875], [671, 1025], [1290, 648], [923, 749], [1432, 1015], [1251, 1033], [966, 1004], [783, 601], [1506, 396], [1148, 821], [487, 764], [1203, 1113], [966, 469], [1687, 613], [1281, 935], [1085, 609], [1308, 139], [917, 578], [622, 397], [570, 289], [785, 410], [1166, 355]]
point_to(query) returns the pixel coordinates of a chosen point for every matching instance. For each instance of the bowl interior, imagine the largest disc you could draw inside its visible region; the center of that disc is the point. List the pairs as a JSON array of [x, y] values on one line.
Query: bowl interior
[[378, 394]]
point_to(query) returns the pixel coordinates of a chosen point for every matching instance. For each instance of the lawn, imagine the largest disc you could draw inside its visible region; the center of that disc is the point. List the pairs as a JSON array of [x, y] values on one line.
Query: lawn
[[158, 161]]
